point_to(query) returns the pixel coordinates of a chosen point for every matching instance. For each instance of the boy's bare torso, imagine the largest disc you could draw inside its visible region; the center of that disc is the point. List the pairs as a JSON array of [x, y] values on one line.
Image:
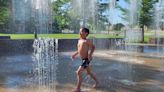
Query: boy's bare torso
[[83, 48]]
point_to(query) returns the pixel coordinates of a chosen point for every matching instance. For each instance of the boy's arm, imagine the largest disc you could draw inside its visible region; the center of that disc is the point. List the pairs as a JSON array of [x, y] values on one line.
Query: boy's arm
[[74, 54], [92, 49]]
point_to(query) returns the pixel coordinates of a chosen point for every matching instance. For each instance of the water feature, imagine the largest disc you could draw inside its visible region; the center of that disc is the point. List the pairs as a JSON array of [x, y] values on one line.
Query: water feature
[[35, 16], [133, 32], [159, 24], [116, 71], [126, 71], [45, 64], [159, 19], [53, 71], [85, 10]]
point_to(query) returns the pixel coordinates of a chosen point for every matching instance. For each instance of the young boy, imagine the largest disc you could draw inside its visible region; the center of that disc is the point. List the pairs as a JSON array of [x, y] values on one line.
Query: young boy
[[84, 46]]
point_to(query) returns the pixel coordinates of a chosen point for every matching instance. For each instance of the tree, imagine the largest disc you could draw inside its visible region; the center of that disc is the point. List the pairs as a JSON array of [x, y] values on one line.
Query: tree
[[4, 2], [118, 26], [146, 14], [61, 17], [124, 11], [102, 16], [130, 12], [4, 13]]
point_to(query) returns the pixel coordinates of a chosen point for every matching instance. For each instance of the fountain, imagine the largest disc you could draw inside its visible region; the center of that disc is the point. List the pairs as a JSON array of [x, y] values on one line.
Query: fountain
[[133, 32], [118, 66], [36, 16], [33, 16], [45, 64], [159, 20], [84, 10]]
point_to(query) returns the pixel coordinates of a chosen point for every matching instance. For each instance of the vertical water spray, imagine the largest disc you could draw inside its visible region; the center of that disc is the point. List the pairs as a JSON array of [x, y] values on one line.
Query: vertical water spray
[[42, 15], [45, 49], [20, 15], [84, 10], [30, 16], [159, 19], [133, 32], [132, 35], [45, 64], [112, 5], [159, 24], [35, 16]]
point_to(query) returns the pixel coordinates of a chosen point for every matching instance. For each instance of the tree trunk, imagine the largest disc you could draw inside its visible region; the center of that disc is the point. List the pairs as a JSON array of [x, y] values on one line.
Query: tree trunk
[[142, 29]]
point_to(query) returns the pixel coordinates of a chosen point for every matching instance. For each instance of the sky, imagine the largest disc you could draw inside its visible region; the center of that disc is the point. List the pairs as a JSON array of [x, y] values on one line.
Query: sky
[[115, 16]]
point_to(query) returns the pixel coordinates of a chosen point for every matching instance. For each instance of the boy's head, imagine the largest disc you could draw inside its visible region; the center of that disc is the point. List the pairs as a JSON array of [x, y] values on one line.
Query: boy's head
[[84, 32]]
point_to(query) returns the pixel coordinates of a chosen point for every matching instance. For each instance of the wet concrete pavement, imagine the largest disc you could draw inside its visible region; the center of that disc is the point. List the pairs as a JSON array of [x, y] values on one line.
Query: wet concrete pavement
[[116, 73]]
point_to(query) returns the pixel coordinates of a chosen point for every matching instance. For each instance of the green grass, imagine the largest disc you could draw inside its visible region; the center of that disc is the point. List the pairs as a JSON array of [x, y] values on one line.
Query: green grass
[[58, 36], [146, 39], [19, 36], [67, 36]]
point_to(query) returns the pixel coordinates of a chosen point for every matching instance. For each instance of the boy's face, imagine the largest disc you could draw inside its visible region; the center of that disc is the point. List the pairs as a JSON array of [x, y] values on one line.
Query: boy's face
[[82, 33]]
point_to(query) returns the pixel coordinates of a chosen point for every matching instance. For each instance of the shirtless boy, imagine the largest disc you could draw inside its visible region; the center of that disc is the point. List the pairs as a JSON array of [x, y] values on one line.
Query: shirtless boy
[[85, 50]]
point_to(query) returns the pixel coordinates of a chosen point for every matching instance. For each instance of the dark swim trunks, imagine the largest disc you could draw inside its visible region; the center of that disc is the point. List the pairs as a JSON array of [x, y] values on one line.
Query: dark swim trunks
[[85, 63]]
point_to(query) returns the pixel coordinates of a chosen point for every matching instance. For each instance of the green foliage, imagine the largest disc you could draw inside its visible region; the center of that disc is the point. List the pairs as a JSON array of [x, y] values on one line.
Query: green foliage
[[66, 18], [4, 11], [147, 12], [130, 12], [4, 15], [101, 9], [61, 17], [4, 3], [118, 26], [124, 13], [102, 16]]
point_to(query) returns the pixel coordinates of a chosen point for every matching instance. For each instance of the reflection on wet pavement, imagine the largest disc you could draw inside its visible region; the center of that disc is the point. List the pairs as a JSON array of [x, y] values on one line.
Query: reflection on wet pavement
[[116, 73]]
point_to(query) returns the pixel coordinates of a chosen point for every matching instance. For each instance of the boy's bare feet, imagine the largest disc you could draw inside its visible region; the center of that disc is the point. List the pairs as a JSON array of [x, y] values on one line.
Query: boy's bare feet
[[95, 85], [76, 90]]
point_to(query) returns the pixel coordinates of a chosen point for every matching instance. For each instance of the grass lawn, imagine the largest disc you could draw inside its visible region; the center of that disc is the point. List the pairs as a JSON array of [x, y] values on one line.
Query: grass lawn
[[58, 36], [70, 36]]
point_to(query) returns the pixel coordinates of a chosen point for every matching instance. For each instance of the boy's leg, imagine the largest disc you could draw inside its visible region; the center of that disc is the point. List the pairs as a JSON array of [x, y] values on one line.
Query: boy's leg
[[79, 77], [92, 75]]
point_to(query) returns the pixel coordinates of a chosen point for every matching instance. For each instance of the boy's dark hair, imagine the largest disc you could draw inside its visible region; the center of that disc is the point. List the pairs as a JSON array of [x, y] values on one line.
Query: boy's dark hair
[[85, 29]]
